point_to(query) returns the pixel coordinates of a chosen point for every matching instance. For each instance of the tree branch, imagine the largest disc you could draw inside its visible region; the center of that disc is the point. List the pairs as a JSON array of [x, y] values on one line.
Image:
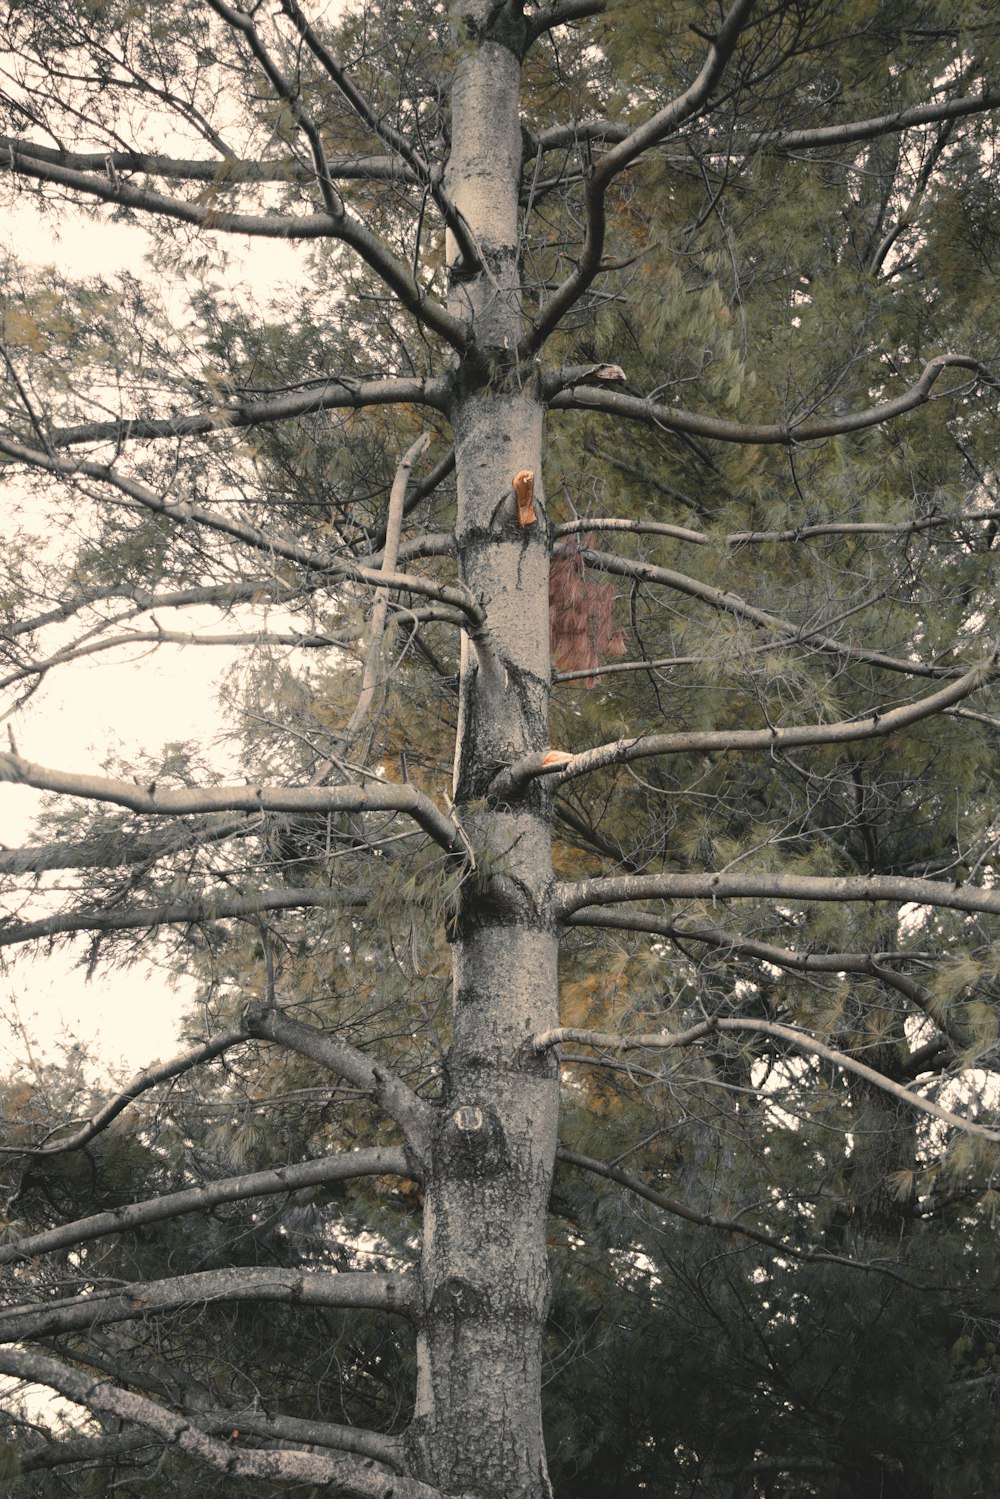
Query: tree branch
[[664, 122], [871, 965], [378, 796], [874, 725], [381, 1161], [770, 885], [353, 1478], [724, 1225], [567, 397], [218, 171], [397, 276], [413, 1116], [799, 1039], [144, 1079], [324, 395]]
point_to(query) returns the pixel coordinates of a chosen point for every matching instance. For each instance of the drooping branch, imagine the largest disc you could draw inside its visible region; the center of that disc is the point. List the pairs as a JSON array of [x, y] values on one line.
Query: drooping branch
[[354, 1478], [794, 1037], [874, 725], [772, 885], [869, 965], [373, 1291], [727, 602], [414, 1117], [125, 850], [724, 1225], [141, 496], [372, 670], [380, 1161], [565, 396]]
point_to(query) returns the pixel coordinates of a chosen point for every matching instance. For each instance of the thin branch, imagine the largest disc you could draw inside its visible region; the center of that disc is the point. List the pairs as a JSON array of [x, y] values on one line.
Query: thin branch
[[144, 1079], [795, 534], [728, 602], [140, 496], [394, 273], [380, 1161], [661, 124], [222, 171], [887, 124], [724, 1225], [801, 1040]]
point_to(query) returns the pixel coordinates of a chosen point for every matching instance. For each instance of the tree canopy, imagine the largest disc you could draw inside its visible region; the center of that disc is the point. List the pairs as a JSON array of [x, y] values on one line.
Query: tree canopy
[[592, 1083]]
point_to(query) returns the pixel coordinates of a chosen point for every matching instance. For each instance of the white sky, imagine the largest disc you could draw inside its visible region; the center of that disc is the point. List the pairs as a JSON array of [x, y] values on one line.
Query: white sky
[[120, 702]]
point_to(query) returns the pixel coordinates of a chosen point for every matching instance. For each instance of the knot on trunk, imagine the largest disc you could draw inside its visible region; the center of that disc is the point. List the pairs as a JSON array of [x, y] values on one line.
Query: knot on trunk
[[472, 1142]]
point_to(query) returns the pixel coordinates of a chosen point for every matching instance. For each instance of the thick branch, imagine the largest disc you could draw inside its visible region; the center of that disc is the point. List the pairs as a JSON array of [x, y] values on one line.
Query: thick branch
[[206, 908], [870, 965], [383, 1161], [567, 397], [413, 1116], [326, 395], [377, 796], [772, 885], [874, 725], [354, 1478], [385, 1292]]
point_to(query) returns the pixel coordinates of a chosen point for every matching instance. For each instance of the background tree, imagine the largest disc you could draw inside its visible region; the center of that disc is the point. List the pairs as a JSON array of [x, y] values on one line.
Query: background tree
[[751, 811]]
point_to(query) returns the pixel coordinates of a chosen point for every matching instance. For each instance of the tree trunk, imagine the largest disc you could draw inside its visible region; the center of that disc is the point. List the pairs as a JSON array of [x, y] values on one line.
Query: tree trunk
[[485, 1279]]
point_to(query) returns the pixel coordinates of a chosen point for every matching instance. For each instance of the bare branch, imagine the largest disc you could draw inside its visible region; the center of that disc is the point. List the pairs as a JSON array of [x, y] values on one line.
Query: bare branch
[[559, 13], [354, 1478], [374, 1291], [888, 124], [728, 602], [676, 419], [772, 885], [376, 796], [141, 496], [874, 725], [797, 1038], [196, 911], [871, 965], [902, 529], [381, 1161], [323, 395], [146, 1078], [350, 231], [413, 1116], [218, 171]]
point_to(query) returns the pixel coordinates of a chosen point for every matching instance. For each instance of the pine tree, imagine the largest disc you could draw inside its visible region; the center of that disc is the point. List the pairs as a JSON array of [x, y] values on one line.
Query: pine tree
[[605, 921]]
